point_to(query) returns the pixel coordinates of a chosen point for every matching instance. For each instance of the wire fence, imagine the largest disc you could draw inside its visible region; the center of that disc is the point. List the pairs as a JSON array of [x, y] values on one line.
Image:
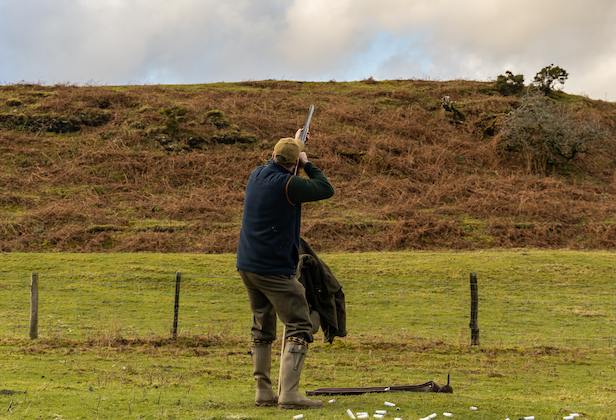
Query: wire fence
[[142, 306]]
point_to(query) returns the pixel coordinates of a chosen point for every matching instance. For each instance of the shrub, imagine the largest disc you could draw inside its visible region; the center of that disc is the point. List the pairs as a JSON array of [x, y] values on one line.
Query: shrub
[[547, 134], [509, 84], [13, 102], [548, 77]]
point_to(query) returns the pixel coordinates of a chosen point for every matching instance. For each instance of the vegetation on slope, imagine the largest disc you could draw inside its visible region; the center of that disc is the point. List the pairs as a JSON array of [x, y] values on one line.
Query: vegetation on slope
[[416, 165]]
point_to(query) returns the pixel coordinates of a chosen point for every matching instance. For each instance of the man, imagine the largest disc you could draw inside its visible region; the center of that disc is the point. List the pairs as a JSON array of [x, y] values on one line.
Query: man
[[267, 258]]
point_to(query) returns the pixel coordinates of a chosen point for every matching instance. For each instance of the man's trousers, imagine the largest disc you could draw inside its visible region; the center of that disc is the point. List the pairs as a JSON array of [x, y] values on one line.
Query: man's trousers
[[277, 294]]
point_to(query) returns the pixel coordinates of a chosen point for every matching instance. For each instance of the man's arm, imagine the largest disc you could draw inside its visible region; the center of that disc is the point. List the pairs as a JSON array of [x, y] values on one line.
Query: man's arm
[[318, 187]]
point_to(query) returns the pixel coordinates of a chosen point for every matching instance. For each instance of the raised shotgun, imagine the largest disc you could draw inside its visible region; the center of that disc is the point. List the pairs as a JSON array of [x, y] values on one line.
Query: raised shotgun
[[304, 133]]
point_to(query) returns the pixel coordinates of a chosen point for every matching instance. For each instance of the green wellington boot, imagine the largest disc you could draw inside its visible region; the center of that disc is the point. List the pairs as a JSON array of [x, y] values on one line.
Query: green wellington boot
[[262, 365], [291, 365]]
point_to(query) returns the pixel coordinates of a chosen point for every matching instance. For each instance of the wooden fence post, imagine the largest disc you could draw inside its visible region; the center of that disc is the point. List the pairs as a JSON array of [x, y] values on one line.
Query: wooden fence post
[[176, 307], [34, 307], [474, 326]]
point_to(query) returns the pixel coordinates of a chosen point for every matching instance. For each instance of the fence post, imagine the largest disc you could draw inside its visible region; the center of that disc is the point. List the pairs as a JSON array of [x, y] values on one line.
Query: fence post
[[34, 307], [176, 307], [474, 326]]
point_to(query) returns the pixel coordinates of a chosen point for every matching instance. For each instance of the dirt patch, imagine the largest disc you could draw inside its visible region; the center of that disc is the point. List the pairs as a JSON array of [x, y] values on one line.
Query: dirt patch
[[9, 392]]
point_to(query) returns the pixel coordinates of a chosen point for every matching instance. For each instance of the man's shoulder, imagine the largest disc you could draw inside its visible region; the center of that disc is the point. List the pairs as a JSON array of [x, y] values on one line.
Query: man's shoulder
[[271, 172]]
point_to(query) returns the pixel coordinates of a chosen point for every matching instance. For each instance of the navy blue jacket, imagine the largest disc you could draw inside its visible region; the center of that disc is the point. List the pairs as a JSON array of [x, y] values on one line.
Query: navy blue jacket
[[270, 235]]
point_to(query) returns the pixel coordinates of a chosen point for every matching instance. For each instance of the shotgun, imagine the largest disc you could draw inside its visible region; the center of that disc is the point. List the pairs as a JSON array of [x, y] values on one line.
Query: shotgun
[[303, 136]]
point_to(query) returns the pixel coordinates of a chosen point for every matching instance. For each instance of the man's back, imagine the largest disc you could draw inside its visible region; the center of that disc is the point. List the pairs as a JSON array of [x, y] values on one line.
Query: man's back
[[269, 238]]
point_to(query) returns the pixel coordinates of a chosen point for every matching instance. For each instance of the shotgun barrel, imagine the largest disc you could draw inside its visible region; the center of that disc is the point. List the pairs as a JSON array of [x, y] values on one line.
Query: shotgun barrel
[[304, 133]]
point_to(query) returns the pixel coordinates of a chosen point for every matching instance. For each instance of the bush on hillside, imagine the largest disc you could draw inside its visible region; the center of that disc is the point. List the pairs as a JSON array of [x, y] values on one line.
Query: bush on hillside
[[509, 84], [547, 134], [547, 78]]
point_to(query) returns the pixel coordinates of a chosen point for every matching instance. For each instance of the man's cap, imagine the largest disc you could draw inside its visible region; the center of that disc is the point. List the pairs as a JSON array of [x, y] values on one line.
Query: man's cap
[[287, 150]]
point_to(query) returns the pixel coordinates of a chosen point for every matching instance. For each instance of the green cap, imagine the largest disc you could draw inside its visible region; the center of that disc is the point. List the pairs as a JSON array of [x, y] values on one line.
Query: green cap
[[287, 150]]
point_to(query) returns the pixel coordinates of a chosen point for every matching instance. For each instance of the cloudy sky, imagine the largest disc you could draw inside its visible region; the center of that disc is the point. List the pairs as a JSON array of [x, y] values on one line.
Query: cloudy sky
[[116, 42]]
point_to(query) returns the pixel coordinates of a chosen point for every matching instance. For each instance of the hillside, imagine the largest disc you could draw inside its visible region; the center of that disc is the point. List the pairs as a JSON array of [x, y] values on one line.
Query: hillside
[[163, 168]]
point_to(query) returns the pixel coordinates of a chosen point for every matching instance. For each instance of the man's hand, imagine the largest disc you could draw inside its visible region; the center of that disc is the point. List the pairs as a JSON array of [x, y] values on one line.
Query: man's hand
[[299, 132], [303, 159]]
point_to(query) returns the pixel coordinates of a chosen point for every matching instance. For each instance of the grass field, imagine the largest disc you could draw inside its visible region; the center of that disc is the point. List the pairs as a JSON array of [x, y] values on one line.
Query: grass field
[[526, 297], [549, 353], [210, 379]]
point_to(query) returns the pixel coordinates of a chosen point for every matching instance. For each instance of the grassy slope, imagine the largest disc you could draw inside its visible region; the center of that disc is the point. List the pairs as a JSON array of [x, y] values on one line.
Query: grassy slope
[[162, 168]]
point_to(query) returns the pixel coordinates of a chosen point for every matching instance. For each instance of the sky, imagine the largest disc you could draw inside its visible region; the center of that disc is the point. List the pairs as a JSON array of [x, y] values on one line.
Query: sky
[[120, 42]]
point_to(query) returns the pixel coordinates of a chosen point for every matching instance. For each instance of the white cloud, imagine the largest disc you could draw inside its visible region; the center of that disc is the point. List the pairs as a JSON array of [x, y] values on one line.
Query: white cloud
[[202, 41]]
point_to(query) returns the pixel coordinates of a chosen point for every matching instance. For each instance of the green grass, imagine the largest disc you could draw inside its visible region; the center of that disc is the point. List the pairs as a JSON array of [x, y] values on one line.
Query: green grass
[[526, 297], [211, 379], [522, 266], [547, 326]]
